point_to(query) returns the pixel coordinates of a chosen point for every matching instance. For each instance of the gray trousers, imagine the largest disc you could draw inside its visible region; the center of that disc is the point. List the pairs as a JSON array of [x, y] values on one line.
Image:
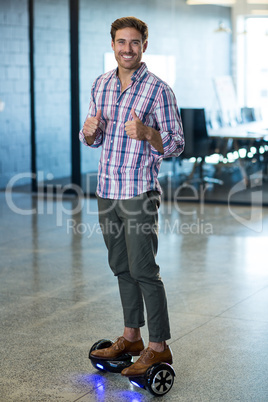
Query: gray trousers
[[130, 231]]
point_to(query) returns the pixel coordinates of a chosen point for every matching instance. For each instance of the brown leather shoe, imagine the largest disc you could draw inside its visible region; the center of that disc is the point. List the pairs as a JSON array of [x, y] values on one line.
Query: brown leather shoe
[[147, 359], [118, 348]]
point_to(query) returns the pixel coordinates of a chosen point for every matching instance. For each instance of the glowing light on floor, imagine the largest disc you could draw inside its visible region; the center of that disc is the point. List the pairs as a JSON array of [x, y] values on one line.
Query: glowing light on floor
[[136, 384]]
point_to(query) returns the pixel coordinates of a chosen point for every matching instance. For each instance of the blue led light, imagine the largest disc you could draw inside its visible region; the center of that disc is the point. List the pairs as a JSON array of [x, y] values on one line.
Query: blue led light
[[100, 366], [135, 383]]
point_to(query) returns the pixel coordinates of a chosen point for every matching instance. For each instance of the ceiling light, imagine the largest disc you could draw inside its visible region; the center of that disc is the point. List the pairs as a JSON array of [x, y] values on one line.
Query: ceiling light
[[222, 28]]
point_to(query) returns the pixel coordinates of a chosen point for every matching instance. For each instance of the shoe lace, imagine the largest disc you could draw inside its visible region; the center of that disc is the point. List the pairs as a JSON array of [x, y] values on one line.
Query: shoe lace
[[117, 343], [146, 353]]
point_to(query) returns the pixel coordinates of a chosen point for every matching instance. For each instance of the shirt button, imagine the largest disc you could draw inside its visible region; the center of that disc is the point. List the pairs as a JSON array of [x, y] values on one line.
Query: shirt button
[[107, 177], [114, 122]]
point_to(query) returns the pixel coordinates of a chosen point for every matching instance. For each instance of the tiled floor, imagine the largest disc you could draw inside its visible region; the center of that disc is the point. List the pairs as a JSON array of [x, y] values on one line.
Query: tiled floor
[[58, 297]]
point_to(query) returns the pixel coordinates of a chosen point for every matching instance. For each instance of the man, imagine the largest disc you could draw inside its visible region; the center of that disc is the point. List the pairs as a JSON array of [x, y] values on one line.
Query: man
[[133, 115]]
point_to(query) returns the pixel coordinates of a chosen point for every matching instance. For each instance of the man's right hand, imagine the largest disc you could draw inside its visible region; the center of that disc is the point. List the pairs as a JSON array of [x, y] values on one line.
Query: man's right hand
[[90, 127]]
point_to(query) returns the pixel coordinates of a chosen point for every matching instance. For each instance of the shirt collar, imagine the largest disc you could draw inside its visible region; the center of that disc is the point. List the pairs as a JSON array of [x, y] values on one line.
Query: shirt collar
[[140, 72]]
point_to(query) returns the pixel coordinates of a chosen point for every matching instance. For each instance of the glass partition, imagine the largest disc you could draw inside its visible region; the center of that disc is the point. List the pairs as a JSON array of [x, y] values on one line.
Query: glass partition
[[183, 49], [52, 91], [256, 63]]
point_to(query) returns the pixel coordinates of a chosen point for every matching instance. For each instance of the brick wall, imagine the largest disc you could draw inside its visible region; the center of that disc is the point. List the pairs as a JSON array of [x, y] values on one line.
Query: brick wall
[[174, 29], [52, 85], [14, 91]]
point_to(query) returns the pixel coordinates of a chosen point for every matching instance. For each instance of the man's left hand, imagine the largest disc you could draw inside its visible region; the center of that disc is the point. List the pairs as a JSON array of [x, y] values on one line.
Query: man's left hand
[[135, 128]]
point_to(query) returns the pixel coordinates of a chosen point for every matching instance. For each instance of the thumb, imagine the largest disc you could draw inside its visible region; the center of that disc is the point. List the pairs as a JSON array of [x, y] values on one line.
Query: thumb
[[135, 117], [98, 115]]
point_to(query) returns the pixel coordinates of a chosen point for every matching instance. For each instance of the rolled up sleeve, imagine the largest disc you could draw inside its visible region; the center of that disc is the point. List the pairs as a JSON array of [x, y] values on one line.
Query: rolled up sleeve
[[169, 125]]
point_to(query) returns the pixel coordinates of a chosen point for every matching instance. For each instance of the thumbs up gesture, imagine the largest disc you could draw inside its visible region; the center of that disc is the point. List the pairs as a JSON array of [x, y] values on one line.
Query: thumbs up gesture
[[90, 127], [135, 128]]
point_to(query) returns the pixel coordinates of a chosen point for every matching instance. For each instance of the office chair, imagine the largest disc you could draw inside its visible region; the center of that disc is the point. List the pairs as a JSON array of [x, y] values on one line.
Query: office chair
[[197, 143]]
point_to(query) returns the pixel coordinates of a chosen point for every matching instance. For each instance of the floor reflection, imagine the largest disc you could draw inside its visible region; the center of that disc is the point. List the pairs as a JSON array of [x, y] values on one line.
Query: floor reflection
[[103, 389]]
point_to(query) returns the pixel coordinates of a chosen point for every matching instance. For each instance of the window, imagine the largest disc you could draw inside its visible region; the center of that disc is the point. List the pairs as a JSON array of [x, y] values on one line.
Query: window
[[256, 63]]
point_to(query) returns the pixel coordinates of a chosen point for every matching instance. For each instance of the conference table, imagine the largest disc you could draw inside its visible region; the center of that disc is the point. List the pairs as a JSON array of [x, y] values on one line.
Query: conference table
[[229, 137]]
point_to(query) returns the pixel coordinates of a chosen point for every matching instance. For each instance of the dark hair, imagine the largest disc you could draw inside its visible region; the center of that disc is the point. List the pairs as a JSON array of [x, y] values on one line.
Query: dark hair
[[130, 22]]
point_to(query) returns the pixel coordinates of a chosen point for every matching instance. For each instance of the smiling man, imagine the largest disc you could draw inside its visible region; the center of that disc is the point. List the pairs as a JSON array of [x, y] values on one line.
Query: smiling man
[[133, 116]]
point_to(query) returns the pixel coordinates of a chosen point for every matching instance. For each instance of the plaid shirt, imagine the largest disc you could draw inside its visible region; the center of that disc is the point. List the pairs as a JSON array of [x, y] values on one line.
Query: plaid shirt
[[129, 167]]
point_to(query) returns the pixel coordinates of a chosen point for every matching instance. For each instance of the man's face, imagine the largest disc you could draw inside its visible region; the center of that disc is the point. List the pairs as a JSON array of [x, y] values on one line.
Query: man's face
[[128, 48]]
